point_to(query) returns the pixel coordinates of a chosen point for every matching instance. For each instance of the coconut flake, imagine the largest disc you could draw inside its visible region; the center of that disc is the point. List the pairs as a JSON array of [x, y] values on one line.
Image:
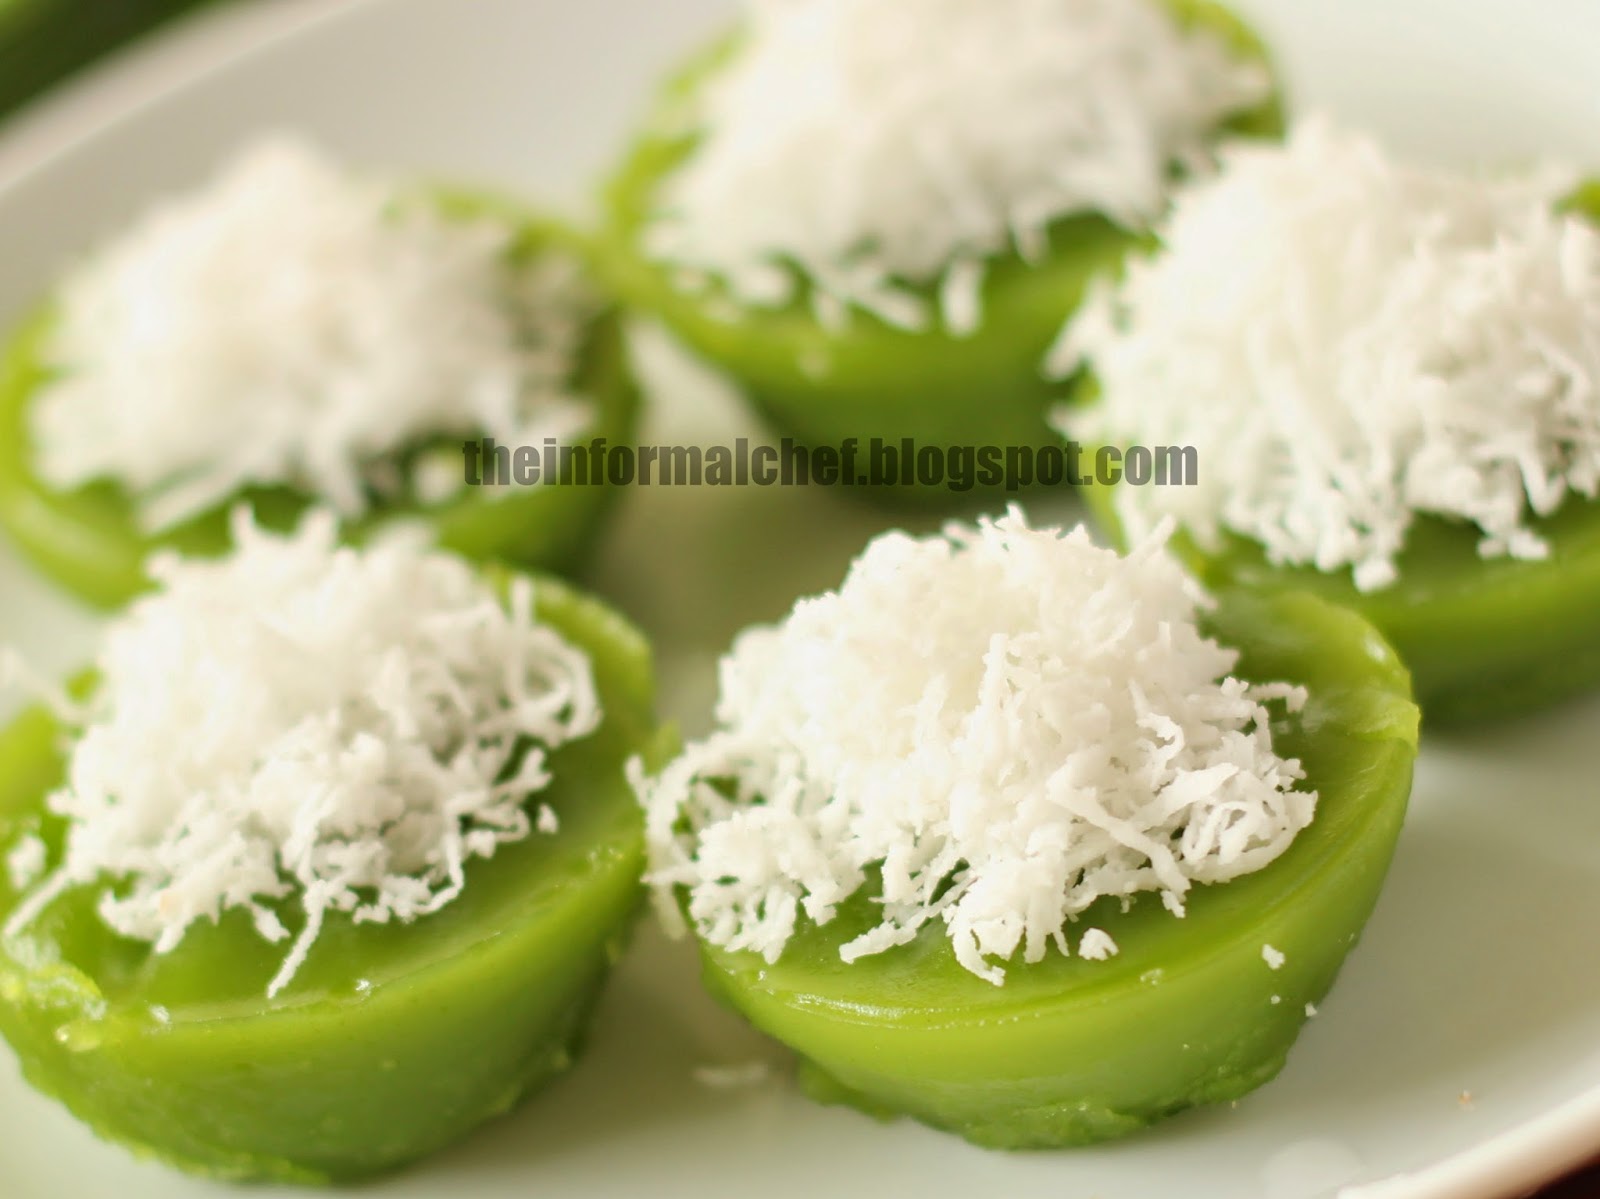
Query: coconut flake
[[994, 729], [299, 724], [1097, 946], [733, 1078], [294, 324], [26, 861], [879, 143], [1360, 341]]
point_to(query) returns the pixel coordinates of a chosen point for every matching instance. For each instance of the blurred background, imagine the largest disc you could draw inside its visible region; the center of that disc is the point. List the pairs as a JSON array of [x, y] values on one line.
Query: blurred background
[[43, 42]]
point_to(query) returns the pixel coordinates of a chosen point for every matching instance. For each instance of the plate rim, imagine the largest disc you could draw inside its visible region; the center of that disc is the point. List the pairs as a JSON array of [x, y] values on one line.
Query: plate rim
[[198, 46]]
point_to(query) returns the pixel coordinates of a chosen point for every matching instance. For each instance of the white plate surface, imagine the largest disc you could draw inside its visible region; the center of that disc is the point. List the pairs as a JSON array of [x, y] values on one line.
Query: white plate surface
[[1459, 1055]]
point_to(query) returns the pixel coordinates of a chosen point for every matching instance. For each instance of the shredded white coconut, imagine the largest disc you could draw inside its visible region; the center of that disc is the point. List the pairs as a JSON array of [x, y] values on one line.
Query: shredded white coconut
[[1274, 958], [1097, 945], [878, 143], [1353, 341], [337, 728], [293, 323], [995, 728], [25, 863], [733, 1078]]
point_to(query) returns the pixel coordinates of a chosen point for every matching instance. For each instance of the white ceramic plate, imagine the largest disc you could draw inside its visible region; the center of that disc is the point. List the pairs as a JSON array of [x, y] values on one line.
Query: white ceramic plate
[[1459, 1055]]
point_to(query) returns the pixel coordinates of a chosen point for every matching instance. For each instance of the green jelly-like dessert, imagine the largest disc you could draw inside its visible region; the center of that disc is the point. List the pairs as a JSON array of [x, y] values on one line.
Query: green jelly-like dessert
[[91, 539], [1498, 398], [392, 1039], [1189, 1012], [867, 377], [1483, 638], [958, 898]]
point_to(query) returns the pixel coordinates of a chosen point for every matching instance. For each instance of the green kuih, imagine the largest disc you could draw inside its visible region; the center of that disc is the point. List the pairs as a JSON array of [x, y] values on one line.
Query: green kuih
[[1189, 1012], [392, 1040], [1484, 638], [90, 541], [870, 379]]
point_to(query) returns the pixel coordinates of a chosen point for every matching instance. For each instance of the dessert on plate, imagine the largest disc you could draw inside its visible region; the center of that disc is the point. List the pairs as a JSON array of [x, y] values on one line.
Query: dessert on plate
[[325, 861], [1031, 841]]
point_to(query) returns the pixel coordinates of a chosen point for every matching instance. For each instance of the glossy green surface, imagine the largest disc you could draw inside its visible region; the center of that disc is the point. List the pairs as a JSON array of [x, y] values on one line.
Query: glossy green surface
[[392, 1041], [870, 379], [88, 539], [1484, 638], [1069, 1051]]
